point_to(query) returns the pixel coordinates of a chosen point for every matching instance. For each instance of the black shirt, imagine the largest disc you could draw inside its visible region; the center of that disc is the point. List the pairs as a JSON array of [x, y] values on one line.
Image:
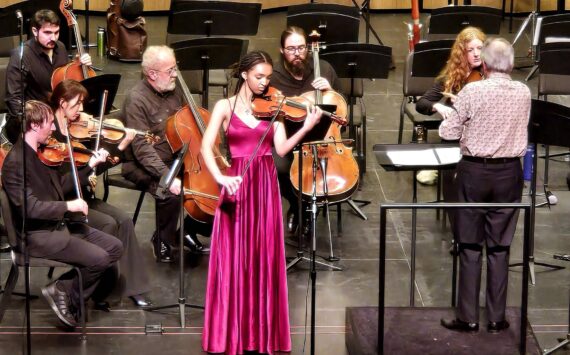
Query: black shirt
[[37, 73], [283, 81]]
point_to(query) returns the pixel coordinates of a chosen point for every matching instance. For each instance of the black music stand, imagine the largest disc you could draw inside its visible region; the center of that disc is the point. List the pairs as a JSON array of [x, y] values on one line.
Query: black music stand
[[208, 53], [414, 157], [318, 133], [322, 16], [446, 22], [358, 60], [549, 124], [218, 18], [95, 87]]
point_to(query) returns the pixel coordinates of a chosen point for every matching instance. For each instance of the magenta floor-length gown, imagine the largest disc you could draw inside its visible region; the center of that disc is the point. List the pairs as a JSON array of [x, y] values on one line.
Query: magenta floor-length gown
[[246, 294]]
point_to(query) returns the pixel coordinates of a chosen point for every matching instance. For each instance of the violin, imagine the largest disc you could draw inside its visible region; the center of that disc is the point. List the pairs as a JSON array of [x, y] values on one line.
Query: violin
[[293, 109], [475, 75], [74, 69], [55, 153], [113, 130]]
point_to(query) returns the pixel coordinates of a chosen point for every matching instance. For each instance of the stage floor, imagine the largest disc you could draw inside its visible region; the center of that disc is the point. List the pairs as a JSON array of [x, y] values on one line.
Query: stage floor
[[122, 331]]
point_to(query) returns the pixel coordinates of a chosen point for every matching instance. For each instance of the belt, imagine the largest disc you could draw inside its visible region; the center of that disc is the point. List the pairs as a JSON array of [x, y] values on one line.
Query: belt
[[490, 160]]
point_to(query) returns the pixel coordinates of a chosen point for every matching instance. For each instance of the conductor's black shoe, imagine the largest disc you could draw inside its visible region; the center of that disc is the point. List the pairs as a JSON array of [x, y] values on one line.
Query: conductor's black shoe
[[192, 243], [459, 325], [141, 301], [60, 303], [102, 306], [495, 327], [162, 252], [292, 222]]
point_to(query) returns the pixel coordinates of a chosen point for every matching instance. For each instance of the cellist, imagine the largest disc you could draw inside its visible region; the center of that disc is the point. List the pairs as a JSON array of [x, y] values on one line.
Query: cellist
[[294, 75], [147, 106], [41, 56]]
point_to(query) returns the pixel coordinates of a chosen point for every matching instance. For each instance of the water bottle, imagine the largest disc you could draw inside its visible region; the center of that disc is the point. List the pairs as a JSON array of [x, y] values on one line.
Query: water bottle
[[101, 42], [527, 162]]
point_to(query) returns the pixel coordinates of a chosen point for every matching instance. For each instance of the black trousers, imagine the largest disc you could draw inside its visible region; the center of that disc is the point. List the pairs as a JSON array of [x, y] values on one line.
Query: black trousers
[[133, 272], [493, 228], [94, 252]]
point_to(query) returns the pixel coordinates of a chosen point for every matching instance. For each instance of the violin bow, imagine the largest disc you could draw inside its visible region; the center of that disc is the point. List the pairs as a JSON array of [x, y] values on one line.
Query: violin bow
[[73, 167], [93, 176]]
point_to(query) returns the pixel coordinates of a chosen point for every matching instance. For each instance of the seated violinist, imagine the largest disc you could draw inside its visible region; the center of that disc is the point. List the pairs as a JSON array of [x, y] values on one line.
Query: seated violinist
[[147, 107], [67, 103], [42, 55], [50, 234]]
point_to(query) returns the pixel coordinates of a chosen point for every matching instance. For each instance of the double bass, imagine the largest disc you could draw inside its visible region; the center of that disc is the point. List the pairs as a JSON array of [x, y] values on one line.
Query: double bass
[[201, 191], [342, 172], [74, 69]]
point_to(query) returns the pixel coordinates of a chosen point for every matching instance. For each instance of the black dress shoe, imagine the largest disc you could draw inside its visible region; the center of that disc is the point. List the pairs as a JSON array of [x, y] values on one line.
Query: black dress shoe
[[292, 221], [162, 252], [102, 306], [459, 325], [495, 327], [60, 304], [141, 301], [192, 243]]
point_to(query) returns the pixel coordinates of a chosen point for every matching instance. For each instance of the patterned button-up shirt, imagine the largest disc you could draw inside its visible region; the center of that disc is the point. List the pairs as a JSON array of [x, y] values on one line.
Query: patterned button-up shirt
[[490, 118]]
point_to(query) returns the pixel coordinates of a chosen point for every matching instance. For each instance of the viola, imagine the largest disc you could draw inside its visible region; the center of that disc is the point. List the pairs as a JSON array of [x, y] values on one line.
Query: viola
[[293, 108], [201, 191], [113, 130], [74, 69], [342, 172], [55, 153]]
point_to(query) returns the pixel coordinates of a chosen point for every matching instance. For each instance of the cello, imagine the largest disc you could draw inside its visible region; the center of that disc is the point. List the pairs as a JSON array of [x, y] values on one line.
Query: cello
[[342, 172], [74, 69], [201, 191]]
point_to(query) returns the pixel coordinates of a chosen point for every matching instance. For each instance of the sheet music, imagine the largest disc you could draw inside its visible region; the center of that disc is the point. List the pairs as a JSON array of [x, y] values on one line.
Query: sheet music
[[449, 155], [413, 157]]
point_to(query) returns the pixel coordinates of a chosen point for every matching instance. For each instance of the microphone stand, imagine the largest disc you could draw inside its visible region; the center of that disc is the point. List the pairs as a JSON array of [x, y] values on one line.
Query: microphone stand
[[164, 185], [22, 117]]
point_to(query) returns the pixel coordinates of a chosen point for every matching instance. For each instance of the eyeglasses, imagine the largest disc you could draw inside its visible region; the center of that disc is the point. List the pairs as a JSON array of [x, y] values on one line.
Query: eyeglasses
[[292, 50], [170, 71]]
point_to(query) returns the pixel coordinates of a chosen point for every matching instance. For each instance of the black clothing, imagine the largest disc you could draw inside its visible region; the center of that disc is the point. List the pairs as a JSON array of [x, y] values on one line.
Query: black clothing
[[480, 182], [114, 221], [49, 235], [38, 69], [430, 98]]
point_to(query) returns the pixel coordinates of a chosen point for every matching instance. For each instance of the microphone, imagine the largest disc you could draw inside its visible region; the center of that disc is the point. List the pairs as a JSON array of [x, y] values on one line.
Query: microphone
[[19, 15], [166, 179]]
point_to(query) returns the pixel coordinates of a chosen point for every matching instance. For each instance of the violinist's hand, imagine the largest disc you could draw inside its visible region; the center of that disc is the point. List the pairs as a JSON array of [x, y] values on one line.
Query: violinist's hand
[[321, 83], [230, 183], [444, 111], [77, 205], [176, 186], [129, 136], [85, 59], [313, 117], [98, 157]]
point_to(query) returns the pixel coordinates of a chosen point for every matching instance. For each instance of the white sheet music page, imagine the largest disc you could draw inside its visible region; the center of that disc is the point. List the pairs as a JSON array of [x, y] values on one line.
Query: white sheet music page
[[413, 157], [450, 155]]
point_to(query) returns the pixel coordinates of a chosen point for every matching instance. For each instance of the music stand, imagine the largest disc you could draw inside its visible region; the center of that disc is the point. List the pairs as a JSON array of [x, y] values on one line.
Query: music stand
[[549, 124], [414, 157], [322, 16], [447, 22], [95, 87], [206, 54], [219, 18]]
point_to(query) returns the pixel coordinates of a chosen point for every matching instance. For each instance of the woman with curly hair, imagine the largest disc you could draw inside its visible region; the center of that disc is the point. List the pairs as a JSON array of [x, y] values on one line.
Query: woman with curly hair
[[464, 63]]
